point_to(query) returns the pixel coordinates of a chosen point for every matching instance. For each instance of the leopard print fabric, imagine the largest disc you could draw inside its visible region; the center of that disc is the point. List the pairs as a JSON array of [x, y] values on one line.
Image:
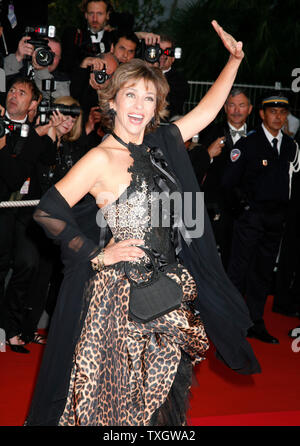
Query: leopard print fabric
[[122, 370]]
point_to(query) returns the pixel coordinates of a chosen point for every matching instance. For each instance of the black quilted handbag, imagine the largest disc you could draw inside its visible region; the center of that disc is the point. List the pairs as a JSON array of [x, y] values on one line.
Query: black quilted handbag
[[154, 297]]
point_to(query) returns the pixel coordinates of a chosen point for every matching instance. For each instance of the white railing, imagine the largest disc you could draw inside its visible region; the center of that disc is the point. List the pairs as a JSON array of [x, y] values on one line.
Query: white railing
[[197, 90], [19, 203]]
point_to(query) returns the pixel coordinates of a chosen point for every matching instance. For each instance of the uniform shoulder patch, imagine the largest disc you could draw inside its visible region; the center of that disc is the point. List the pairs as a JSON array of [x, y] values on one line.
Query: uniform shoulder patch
[[235, 154]]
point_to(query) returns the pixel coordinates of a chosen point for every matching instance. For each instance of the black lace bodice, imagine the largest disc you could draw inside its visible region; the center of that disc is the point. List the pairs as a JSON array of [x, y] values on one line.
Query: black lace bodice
[[144, 210]]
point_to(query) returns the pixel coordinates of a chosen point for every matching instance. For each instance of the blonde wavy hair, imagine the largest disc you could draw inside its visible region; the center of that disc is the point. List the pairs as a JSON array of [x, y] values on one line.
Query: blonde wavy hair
[[75, 133], [132, 72]]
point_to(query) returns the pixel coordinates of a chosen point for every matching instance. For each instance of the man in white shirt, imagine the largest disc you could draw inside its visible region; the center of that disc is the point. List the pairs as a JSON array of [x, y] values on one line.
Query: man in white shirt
[[14, 65]]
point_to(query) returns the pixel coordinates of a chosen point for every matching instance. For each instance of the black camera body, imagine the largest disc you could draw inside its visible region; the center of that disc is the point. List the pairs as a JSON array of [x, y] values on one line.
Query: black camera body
[[7, 126], [152, 53], [47, 107], [38, 38], [101, 76]]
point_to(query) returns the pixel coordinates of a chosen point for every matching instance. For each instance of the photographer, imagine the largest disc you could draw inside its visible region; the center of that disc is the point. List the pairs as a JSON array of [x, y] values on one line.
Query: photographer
[[160, 51], [178, 84], [61, 135], [18, 159], [124, 45], [91, 77], [89, 40], [26, 54], [65, 137]]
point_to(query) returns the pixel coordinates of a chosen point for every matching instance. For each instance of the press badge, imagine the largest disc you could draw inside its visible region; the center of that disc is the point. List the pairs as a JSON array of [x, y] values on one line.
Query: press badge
[[11, 16], [264, 162], [235, 154], [25, 188]]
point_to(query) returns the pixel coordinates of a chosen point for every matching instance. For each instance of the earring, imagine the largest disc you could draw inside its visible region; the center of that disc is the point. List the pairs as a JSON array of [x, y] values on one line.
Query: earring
[[112, 111]]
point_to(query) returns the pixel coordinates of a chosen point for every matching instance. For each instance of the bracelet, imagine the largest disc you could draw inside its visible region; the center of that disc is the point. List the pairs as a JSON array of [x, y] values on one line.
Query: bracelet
[[99, 266]]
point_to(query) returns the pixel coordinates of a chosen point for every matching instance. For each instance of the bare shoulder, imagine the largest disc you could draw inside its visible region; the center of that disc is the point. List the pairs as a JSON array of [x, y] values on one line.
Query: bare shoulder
[[83, 176], [98, 154]]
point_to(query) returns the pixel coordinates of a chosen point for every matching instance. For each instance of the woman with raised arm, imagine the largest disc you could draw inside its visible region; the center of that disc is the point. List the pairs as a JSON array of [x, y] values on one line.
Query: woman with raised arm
[[105, 364]]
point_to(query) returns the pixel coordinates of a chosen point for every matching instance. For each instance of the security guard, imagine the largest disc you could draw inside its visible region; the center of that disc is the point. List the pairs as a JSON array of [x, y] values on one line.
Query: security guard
[[259, 177], [209, 161]]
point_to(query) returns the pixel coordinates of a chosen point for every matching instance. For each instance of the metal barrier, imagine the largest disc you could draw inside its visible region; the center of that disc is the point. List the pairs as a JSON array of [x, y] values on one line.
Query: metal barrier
[[197, 90]]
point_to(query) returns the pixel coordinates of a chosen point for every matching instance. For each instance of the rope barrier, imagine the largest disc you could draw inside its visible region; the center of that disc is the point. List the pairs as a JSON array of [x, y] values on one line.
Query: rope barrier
[[16, 204]]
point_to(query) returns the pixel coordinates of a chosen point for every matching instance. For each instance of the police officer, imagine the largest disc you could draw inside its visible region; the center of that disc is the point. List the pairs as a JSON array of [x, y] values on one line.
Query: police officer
[[258, 175]]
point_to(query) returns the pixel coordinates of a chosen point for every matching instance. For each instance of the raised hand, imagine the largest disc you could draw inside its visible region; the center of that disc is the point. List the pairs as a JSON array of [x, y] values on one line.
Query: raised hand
[[235, 48]]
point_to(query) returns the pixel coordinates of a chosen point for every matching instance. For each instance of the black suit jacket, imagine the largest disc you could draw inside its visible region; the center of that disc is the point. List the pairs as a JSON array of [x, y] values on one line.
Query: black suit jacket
[[258, 174], [211, 184], [178, 94], [82, 91], [76, 45]]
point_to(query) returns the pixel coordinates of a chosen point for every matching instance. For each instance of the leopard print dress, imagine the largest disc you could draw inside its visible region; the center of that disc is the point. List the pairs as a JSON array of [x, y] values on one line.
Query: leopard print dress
[[127, 373]]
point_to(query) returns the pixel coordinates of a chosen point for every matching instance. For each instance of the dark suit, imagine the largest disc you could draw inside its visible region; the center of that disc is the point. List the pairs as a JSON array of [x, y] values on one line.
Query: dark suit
[[260, 178], [219, 205], [17, 164], [82, 91], [178, 94], [287, 284], [76, 45]]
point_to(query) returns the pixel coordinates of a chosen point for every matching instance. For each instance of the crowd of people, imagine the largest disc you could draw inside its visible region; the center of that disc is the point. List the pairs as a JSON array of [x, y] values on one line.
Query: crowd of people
[[251, 189], [52, 147]]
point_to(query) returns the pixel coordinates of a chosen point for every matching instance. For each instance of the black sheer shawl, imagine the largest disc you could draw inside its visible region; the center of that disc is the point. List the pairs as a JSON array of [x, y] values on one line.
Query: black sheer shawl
[[222, 309], [77, 233]]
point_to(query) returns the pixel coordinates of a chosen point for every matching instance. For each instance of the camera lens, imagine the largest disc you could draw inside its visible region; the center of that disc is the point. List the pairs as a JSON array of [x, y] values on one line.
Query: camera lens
[[72, 110], [152, 54], [99, 77], [44, 57]]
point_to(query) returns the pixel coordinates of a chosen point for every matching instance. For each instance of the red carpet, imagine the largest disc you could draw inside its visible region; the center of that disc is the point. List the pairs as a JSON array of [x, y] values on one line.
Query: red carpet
[[220, 397]]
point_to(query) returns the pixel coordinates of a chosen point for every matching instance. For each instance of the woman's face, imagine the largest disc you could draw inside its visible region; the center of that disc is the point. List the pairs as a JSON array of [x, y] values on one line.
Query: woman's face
[[135, 105], [66, 126]]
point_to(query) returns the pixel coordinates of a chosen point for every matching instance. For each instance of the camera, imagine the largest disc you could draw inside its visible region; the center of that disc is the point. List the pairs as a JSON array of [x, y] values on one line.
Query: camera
[[38, 38], [7, 126], [47, 107], [101, 76], [152, 53]]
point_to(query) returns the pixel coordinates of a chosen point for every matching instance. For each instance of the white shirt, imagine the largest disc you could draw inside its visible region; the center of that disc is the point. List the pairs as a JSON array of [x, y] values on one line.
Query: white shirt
[[270, 137], [20, 121], [98, 37], [166, 71], [293, 123]]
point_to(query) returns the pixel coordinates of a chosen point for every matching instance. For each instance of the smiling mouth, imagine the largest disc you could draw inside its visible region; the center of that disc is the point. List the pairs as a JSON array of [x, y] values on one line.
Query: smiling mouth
[[135, 118]]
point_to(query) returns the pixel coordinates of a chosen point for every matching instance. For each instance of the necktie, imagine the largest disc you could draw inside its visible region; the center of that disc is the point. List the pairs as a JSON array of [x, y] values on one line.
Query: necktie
[[241, 133], [275, 142]]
